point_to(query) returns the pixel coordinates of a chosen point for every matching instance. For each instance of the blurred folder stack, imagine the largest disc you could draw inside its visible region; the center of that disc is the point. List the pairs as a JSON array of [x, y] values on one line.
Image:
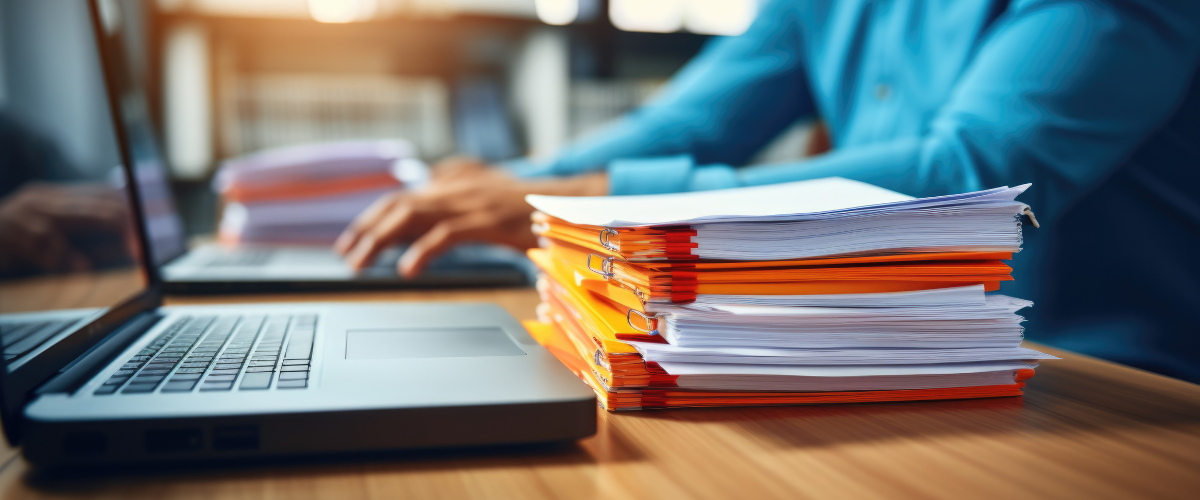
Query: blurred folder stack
[[308, 194], [810, 292]]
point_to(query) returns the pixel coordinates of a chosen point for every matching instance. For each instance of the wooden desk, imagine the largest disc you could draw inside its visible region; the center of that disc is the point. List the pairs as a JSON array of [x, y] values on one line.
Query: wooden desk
[[1084, 429]]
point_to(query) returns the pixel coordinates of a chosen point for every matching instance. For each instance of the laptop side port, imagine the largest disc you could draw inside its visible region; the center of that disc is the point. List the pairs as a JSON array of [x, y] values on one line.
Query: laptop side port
[[235, 438], [85, 443], [169, 440]]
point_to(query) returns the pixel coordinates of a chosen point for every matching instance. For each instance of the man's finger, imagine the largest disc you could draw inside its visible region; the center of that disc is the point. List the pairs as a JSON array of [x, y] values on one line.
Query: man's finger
[[368, 219], [437, 241], [387, 231]]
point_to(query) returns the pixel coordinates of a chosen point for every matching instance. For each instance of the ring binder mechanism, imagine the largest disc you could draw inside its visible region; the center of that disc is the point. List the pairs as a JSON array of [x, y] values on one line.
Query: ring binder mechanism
[[861, 295], [606, 236], [606, 264], [651, 323]]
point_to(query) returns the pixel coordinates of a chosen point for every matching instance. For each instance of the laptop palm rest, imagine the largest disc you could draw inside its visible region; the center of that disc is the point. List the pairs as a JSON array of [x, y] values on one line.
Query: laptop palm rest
[[429, 343]]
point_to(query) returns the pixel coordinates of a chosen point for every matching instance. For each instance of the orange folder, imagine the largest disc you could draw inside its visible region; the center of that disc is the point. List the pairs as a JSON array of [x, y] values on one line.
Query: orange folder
[[681, 282], [615, 399]]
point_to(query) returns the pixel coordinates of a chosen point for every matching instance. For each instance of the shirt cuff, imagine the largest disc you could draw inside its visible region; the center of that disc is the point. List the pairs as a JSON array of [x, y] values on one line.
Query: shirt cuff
[[710, 177], [668, 174]]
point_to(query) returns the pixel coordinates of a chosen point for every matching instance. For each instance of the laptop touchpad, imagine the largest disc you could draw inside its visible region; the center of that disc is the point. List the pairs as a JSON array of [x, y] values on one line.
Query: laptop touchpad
[[429, 343]]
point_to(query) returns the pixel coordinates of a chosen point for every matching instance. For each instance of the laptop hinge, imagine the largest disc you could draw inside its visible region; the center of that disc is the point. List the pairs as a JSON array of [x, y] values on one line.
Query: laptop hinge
[[86, 366]]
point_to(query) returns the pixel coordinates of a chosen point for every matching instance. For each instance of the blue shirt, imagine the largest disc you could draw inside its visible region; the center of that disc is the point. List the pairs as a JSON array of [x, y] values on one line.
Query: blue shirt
[[1094, 102]]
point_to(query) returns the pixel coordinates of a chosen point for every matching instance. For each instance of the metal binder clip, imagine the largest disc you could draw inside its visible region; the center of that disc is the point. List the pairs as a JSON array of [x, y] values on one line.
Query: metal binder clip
[[606, 239], [606, 265], [646, 319]]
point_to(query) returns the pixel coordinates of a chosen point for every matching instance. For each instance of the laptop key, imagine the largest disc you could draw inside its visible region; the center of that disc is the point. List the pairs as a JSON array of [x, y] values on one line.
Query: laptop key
[[287, 362], [136, 388], [293, 376], [294, 368], [256, 381], [224, 372], [291, 384], [185, 376], [260, 369], [106, 389], [181, 386], [216, 386], [220, 378]]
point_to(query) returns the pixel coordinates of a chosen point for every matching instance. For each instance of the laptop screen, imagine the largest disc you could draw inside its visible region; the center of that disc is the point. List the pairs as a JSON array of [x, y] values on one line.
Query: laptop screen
[[69, 250], [123, 47]]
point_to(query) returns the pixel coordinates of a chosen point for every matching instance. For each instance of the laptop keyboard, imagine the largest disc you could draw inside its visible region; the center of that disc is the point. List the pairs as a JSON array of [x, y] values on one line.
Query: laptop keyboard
[[19, 338], [221, 353], [241, 258]]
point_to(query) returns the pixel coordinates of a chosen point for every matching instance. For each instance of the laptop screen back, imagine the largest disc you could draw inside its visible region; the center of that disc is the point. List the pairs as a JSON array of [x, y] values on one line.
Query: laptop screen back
[[69, 250]]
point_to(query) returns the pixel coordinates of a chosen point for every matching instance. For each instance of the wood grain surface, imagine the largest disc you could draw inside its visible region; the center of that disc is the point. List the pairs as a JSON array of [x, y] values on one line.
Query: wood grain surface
[[1085, 429]]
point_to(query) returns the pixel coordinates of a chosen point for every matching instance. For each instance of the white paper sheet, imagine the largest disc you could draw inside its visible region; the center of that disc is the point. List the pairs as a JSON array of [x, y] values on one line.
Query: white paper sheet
[[803, 200]]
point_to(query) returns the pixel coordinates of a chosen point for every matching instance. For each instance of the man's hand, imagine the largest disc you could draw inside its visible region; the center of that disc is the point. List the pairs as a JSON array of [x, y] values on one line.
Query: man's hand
[[37, 221], [466, 201]]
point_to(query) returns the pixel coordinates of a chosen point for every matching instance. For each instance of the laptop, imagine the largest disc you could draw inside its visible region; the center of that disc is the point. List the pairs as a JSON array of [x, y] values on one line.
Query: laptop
[[96, 371], [213, 268]]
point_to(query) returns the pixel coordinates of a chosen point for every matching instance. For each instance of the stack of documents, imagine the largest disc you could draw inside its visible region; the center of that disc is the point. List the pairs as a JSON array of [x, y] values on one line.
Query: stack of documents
[[308, 194], [677, 321]]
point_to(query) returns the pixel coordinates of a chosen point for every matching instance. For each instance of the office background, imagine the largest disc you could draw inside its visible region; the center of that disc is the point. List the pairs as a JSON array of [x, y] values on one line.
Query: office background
[[496, 79]]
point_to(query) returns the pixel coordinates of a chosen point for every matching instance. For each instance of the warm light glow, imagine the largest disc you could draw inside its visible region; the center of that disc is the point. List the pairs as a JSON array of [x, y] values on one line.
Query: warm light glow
[[657, 16], [342, 11], [557, 12], [720, 17]]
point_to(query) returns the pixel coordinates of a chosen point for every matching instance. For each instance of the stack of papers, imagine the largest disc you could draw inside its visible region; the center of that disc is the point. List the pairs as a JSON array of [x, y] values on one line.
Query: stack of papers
[[308, 194], [793, 220], [664, 323]]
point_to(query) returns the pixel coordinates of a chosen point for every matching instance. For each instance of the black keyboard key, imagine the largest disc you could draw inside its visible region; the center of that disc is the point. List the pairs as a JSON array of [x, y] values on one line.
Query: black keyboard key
[[138, 388], [256, 381], [106, 389], [291, 384], [293, 376]]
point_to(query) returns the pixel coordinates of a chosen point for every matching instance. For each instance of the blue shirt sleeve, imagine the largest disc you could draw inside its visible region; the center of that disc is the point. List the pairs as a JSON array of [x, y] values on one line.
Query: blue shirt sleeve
[[724, 106], [1058, 94]]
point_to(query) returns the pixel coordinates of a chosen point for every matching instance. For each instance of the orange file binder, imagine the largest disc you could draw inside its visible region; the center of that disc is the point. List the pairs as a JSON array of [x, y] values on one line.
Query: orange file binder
[[614, 399]]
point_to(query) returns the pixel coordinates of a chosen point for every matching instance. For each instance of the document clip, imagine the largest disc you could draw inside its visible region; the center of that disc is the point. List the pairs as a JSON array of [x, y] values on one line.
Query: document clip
[[1027, 212], [646, 319], [606, 265], [606, 239]]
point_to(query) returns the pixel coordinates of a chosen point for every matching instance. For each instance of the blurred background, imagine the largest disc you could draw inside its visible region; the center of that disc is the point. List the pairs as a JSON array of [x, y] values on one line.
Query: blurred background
[[496, 79]]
